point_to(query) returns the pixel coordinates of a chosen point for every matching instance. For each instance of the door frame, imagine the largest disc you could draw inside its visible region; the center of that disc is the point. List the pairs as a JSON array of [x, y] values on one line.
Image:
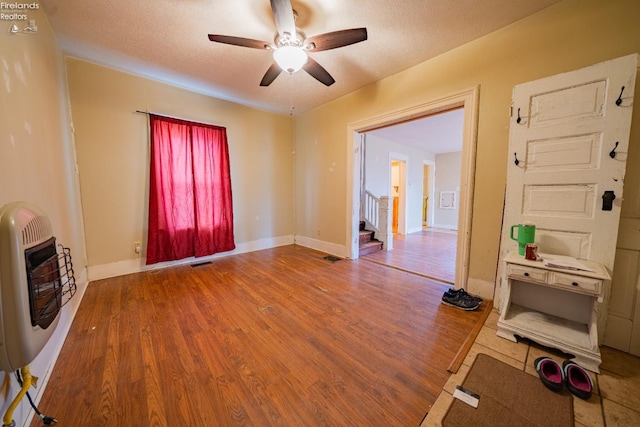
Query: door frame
[[468, 99]]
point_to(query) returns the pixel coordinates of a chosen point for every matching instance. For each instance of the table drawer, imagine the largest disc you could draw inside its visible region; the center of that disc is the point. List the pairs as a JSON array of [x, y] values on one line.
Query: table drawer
[[584, 284], [527, 273]]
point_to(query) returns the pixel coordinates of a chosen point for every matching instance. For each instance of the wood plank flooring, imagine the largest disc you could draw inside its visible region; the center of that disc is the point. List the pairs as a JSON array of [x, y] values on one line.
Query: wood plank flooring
[[279, 337], [431, 253]]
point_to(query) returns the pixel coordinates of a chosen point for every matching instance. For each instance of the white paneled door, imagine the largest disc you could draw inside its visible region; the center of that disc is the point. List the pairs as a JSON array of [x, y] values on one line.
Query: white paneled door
[[568, 148]]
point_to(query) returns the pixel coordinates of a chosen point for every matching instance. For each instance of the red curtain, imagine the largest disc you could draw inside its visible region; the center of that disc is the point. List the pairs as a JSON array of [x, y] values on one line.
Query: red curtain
[[190, 207]]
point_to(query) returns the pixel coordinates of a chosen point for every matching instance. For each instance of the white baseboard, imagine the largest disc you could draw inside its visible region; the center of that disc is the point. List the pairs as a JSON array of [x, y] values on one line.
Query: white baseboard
[[137, 265], [322, 246], [445, 226]]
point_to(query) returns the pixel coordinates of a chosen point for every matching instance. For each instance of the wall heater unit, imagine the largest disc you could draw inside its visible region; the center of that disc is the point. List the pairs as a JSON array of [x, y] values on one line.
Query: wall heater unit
[[36, 280]]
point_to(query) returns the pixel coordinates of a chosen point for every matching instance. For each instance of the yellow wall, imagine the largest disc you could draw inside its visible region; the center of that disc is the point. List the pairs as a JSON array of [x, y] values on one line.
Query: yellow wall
[[112, 146], [37, 164], [567, 36], [36, 157]]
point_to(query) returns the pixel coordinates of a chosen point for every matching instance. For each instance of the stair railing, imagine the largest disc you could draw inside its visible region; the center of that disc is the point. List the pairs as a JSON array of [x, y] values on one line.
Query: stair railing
[[371, 210], [375, 214]]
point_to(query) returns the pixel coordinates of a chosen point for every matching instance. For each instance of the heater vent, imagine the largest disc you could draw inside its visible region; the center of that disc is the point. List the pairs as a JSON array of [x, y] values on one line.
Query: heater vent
[[35, 230]]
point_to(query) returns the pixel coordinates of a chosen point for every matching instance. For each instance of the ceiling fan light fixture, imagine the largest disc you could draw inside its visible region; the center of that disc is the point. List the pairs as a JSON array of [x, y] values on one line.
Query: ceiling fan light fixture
[[290, 58]]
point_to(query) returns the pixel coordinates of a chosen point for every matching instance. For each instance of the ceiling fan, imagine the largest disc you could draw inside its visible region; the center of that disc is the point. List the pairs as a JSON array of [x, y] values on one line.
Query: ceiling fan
[[291, 46]]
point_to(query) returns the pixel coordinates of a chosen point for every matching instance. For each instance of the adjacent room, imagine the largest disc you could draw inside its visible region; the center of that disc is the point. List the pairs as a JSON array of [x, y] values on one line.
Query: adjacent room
[[424, 218], [180, 213]]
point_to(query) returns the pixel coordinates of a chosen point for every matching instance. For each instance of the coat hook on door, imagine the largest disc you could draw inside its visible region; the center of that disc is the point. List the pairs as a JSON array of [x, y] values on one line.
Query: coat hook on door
[[612, 153], [619, 100], [519, 119], [517, 162]]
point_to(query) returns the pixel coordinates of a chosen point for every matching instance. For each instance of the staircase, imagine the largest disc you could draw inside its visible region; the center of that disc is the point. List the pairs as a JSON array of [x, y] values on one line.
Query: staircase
[[367, 243]]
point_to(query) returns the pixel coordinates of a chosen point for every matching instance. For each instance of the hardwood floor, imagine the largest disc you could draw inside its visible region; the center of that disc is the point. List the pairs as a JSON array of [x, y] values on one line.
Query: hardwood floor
[[279, 337], [430, 253]]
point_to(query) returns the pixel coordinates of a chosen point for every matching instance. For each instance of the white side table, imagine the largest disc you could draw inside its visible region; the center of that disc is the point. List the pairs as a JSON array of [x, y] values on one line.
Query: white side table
[[554, 307]]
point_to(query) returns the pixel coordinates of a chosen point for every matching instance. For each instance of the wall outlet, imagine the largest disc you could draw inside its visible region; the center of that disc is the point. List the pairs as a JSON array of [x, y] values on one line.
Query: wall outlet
[[137, 247]]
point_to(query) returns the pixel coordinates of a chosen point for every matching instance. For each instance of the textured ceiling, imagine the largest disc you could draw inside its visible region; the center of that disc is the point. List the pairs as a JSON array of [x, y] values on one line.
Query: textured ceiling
[[167, 40]]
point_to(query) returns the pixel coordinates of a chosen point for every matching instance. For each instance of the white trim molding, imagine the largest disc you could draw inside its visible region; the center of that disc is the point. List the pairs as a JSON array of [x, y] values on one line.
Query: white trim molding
[[104, 271]]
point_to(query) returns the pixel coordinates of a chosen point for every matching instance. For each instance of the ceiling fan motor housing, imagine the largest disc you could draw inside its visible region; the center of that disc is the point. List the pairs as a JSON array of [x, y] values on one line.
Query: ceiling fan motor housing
[[287, 40]]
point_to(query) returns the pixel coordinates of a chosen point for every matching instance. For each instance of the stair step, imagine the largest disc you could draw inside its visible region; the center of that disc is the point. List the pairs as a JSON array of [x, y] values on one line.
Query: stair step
[[370, 247], [365, 236]]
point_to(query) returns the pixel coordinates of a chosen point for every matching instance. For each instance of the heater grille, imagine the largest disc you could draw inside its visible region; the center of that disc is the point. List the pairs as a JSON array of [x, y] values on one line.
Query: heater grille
[[35, 230], [51, 281]]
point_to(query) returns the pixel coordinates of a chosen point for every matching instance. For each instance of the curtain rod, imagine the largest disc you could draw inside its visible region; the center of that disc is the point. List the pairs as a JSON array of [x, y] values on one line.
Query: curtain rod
[[179, 118]]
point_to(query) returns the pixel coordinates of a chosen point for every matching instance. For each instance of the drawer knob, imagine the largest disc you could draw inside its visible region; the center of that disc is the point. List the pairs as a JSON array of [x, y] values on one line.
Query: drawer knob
[[526, 274], [575, 284]]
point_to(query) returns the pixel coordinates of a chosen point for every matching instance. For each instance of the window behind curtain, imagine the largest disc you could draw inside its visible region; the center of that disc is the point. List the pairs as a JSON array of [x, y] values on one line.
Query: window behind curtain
[[190, 207]]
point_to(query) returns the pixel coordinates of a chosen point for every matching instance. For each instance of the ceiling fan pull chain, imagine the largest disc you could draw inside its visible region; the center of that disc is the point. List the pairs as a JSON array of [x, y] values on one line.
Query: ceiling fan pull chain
[[291, 107]]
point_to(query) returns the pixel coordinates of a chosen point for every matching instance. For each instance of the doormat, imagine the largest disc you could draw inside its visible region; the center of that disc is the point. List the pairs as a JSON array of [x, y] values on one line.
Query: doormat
[[331, 258], [509, 397]]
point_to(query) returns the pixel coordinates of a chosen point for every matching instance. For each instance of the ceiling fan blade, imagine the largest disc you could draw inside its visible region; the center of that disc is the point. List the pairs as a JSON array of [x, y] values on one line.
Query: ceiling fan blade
[[283, 15], [271, 74], [336, 39], [239, 41], [318, 72]]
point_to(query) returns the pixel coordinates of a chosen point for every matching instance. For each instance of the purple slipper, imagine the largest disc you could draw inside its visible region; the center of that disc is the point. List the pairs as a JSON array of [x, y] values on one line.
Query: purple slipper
[[550, 372], [578, 380]]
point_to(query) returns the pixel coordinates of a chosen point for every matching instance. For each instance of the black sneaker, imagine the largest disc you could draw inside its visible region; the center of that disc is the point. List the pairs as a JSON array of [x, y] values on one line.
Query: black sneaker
[[461, 293], [462, 301]]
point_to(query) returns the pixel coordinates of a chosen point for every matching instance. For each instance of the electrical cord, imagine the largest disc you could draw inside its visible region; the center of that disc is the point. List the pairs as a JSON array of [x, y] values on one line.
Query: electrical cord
[[46, 420]]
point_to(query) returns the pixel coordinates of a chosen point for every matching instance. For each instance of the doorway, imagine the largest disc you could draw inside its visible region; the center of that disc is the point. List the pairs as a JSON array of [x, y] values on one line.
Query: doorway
[[468, 100], [416, 149], [398, 193]]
